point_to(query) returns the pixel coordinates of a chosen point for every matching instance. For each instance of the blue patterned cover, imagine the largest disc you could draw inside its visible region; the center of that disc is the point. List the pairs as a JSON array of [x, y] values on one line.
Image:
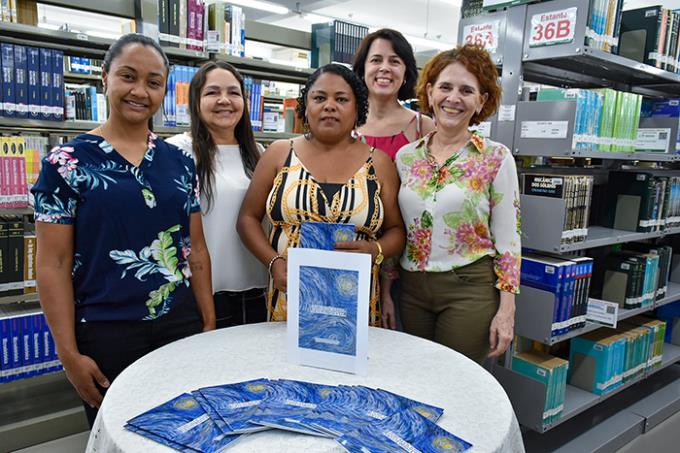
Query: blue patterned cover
[[403, 431], [328, 310], [358, 406], [323, 236], [288, 402], [212, 413], [183, 421], [235, 403]]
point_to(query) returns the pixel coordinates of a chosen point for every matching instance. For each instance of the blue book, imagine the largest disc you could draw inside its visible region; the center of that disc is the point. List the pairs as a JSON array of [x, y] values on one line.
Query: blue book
[[328, 310], [57, 94], [45, 83], [236, 403], [7, 82], [214, 416], [27, 361], [16, 370], [343, 411], [92, 102], [20, 82], [183, 421], [403, 431], [323, 236], [550, 275], [5, 347], [288, 402], [33, 69]]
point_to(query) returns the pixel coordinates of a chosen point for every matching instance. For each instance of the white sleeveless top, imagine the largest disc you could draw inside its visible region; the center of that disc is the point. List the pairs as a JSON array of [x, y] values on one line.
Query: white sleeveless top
[[234, 268]]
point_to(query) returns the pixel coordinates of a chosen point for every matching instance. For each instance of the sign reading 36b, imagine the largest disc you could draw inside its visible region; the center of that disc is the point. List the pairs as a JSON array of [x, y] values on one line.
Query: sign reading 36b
[[484, 35], [554, 27]]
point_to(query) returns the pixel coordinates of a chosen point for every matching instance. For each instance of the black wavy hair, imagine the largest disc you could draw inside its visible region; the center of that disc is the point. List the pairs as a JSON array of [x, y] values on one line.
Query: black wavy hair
[[203, 145], [403, 50], [358, 88]]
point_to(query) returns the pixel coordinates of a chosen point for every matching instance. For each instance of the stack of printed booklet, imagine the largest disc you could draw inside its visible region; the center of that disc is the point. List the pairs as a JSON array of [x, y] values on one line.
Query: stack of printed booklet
[[360, 419]]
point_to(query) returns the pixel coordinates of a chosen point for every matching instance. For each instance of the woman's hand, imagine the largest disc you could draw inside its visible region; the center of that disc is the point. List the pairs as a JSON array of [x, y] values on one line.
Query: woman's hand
[[84, 374], [389, 318], [358, 247], [502, 325], [280, 274]]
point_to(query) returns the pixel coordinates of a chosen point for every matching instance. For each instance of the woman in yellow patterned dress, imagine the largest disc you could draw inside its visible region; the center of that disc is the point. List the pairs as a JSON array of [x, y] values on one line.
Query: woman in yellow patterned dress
[[323, 176]]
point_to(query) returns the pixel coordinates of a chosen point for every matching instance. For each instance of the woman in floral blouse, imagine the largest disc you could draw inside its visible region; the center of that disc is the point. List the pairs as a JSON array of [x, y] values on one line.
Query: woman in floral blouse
[[122, 263], [459, 198]]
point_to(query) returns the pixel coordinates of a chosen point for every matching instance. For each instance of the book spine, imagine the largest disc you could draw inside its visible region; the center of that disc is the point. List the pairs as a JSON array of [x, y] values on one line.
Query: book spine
[[8, 75], [33, 69], [45, 83], [57, 95], [20, 82]]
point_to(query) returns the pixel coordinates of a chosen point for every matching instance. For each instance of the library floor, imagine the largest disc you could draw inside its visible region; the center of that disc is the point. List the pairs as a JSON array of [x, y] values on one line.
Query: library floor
[[663, 437]]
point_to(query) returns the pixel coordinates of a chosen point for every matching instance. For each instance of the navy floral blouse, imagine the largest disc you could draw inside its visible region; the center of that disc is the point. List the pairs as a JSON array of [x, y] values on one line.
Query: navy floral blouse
[[131, 225]]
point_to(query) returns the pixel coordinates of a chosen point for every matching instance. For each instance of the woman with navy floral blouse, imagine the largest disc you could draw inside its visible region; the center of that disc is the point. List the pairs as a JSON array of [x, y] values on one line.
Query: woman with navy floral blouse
[[122, 263]]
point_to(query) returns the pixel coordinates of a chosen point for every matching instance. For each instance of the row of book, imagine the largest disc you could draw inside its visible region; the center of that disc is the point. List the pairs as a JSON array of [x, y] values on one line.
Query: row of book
[[181, 23], [604, 23], [17, 259], [650, 35], [82, 65], [575, 190], [176, 101], [226, 29], [567, 279], [605, 359], [335, 41], [606, 120], [359, 418], [636, 276], [598, 361], [27, 346], [641, 201], [83, 102], [32, 82], [13, 186]]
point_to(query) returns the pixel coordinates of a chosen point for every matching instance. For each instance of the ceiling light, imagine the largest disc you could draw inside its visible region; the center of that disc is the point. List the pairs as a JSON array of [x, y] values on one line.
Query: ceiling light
[[439, 45], [315, 18], [263, 6]]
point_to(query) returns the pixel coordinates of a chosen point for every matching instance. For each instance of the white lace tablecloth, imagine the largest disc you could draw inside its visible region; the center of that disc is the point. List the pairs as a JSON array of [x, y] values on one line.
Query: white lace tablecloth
[[476, 407]]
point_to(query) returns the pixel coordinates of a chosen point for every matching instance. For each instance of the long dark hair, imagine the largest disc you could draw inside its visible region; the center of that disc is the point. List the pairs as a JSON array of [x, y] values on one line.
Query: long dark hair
[[401, 47], [202, 142]]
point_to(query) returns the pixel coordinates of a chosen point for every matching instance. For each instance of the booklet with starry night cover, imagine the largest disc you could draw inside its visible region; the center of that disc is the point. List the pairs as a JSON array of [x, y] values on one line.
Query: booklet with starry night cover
[[403, 431], [289, 401], [182, 421], [323, 236], [235, 404], [349, 408], [328, 303]]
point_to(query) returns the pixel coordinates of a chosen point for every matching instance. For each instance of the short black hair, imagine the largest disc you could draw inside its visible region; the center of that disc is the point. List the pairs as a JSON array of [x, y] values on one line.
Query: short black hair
[[132, 38], [401, 47], [358, 88]]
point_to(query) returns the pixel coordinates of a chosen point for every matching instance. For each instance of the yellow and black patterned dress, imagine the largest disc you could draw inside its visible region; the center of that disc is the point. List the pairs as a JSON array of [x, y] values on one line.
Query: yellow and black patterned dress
[[296, 198]]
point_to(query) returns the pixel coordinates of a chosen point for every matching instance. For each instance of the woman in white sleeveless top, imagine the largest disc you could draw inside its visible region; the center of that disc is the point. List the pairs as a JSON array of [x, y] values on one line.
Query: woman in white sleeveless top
[[222, 143]]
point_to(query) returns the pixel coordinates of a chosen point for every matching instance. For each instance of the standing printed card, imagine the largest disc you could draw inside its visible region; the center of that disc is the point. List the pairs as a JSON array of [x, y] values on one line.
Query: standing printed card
[[328, 300]]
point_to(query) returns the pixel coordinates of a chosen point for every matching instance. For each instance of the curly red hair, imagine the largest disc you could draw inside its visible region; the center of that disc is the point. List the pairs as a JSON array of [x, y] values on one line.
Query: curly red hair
[[478, 62]]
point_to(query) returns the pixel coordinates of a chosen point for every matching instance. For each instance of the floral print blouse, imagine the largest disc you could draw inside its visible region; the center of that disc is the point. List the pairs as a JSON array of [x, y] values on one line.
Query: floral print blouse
[[131, 225], [462, 211]]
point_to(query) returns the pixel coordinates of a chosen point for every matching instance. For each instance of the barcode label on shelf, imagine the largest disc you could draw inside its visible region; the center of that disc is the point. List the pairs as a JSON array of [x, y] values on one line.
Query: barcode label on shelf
[[485, 35], [603, 312], [553, 27], [653, 139], [544, 129]]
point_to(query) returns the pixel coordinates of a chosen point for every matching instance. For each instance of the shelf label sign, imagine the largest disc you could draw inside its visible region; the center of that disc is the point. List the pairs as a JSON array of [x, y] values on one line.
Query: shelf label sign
[[507, 112], [544, 129], [553, 27], [653, 139], [485, 35], [483, 128], [603, 312]]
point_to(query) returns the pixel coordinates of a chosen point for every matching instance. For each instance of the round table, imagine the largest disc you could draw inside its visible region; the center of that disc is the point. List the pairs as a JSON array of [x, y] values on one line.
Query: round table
[[476, 407]]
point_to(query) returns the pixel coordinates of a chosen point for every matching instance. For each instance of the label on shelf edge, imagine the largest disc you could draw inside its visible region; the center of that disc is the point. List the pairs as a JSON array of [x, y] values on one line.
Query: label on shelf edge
[[553, 27], [653, 139], [484, 128], [544, 129], [603, 312], [484, 34], [506, 112]]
